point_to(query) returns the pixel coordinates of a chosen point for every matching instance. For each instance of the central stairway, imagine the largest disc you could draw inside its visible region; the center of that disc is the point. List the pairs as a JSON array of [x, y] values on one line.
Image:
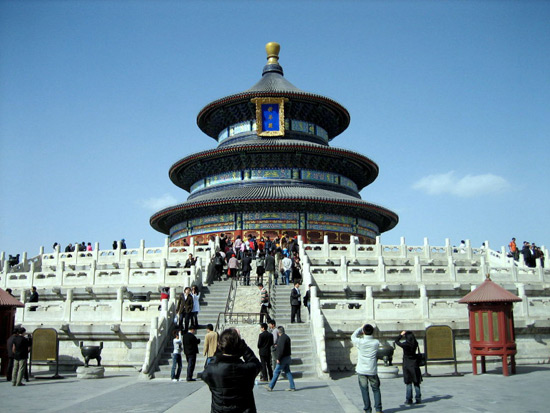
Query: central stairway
[[213, 300], [303, 361]]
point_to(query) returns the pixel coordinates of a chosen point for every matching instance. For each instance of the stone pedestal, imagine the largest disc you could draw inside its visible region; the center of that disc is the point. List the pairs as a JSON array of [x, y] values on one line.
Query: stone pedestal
[[388, 372], [90, 372]]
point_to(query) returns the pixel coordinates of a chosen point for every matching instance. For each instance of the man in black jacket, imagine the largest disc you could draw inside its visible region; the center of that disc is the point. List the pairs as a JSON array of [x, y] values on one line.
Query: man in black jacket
[[191, 349], [246, 267], [230, 379], [265, 341], [295, 303], [284, 352]]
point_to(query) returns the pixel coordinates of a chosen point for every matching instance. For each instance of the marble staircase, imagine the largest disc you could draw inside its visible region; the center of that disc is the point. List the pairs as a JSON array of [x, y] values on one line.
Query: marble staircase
[[303, 362]]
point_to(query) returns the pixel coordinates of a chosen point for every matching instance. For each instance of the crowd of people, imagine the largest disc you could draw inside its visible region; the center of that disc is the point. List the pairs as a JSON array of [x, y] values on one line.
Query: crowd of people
[[86, 246], [276, 259], [530, 251]]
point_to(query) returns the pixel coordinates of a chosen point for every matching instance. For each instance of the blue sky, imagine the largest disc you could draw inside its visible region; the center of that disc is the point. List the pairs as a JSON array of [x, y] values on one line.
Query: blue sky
[[99, 98]]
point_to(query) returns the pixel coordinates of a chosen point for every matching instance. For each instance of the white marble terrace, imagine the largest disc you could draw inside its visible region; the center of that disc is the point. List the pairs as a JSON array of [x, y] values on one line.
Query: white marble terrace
[[94, 296]]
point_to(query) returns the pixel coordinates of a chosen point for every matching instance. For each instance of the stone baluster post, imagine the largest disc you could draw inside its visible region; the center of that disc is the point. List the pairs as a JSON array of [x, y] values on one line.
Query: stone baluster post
[[68, 310], [369, 303], [522, 306], [119, 303], [343, 270], [95, 252], [483, 265], [539, 269], [417, 269], [513, 269], [162, 270], [451, 268], [166, 248], [126, 275], [141, 249], [153, 335], [31, 272], [41, 250], [378, 248], [60, 272], [403, 252], [326, 247], [427, 249], [23, 312], [4, 272], [448, 247], [425, 310], [306, 274], [192, 246], [93, 271], [469, 252], [381, 269], [352, 247]]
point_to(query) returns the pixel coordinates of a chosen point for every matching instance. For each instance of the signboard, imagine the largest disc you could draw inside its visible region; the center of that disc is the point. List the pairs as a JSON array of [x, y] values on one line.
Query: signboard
[[45, 348], [44, 345], [270, 116], [440, 343]]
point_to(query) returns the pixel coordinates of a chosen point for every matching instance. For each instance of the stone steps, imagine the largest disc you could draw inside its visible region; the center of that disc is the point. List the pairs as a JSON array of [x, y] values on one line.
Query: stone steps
[[213, 302], [303, 362]]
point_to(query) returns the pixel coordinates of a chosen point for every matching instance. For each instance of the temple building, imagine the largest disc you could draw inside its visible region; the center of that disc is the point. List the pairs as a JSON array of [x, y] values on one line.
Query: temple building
[[273, 170]]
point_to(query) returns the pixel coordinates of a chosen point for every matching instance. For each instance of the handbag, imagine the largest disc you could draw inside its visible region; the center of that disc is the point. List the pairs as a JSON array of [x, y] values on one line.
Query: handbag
[[420, 358]]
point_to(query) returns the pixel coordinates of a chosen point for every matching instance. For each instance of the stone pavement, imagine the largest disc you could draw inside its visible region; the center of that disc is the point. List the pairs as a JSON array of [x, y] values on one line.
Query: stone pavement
[[525, 392]]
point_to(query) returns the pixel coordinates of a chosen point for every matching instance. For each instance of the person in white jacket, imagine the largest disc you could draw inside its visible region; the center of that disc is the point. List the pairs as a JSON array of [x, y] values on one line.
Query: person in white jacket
[[366, 368]]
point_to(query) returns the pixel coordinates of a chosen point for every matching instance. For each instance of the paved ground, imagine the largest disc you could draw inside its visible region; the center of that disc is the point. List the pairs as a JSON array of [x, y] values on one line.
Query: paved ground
[[525, 392]]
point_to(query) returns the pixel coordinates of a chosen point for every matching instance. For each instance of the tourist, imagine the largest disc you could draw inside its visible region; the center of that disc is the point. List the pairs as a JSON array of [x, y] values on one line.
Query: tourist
[[115, 245], [9, 345], [287, 268], [122, 244], [260, 268], [264, 303], [514, 252], [190, 262], [237, 246], [69, 248], [233, 266], [185, 308], [89, 246], [284, 352], [223, 242], [295, 304], [270, 267], [246, 267], [20, 349], [218, 265], [196, 305], [411, 370], [83, 246], [33, 299], [210, 344], [275, 333], [296, 268], [191, 348], [307, 298], [366, 368], [231, 375], [176, 355], [265, 342]]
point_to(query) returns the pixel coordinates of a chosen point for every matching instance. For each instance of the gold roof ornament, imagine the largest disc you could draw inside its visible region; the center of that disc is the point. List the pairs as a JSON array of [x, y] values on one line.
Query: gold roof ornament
[[272, 49]]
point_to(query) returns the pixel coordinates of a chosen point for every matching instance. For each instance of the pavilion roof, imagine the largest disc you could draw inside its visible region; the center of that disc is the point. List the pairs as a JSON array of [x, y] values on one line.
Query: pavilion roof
[[489, 292], [7, 300]]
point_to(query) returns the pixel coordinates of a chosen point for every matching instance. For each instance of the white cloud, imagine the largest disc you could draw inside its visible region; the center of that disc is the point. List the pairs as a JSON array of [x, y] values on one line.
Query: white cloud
[[158, 203], [464, 187]]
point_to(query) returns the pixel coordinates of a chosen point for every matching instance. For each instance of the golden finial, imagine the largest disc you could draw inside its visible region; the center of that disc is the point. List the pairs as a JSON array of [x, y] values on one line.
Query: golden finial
[[272, 49]]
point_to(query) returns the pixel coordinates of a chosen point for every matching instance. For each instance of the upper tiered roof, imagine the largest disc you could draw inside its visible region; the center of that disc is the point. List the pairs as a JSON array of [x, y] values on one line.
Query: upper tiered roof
[[232, 109]]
